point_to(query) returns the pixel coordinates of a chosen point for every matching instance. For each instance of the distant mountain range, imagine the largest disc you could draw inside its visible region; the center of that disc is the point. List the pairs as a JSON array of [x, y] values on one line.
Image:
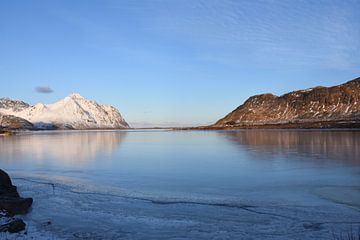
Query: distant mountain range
[[319, 107], [72, 112]]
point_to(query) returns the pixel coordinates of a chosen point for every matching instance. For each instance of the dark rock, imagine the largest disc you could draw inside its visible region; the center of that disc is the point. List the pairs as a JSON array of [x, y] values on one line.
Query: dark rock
[[12, 204], [13, 226], [6, 187], [15, 205], [5, 181], [10, 200]]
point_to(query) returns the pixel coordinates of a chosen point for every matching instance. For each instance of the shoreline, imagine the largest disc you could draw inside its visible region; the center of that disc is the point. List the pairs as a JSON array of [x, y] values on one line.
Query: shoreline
[[315, 125], [21, 132], [320, 125]]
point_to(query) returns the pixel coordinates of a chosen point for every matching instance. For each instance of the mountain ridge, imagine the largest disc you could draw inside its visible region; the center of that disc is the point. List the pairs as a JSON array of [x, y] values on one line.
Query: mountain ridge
[[71, 112], [316, 107]]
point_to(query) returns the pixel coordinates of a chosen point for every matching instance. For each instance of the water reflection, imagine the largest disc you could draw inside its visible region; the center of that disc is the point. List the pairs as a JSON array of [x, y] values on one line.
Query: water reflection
[[70, 148], [328, 145]]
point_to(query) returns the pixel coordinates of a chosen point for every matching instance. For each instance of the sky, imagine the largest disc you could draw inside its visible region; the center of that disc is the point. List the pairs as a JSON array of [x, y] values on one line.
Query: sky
[[174, 62]]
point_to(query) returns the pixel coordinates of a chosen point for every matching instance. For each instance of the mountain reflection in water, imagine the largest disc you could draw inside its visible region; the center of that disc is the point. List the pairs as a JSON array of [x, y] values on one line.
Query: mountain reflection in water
[[342, 146], [71, 148]]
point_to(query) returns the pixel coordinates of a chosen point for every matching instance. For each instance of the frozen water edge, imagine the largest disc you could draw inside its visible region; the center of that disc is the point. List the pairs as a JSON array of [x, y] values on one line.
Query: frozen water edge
[[80, 210]]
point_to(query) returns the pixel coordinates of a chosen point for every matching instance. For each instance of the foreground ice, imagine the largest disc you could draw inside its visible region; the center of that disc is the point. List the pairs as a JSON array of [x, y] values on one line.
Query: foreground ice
[[69, 208]]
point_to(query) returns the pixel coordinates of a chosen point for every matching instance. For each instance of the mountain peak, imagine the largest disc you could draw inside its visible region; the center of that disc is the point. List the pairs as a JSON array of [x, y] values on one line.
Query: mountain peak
[[76, 96]]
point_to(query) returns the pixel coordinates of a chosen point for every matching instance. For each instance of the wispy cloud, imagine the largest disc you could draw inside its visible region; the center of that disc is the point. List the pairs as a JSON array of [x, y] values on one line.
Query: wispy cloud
[[43, 89], [285, 33], [263, 32]]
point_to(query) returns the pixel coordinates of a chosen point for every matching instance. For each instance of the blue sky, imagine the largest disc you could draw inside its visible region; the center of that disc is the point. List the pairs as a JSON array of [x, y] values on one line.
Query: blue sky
[[176, 61]]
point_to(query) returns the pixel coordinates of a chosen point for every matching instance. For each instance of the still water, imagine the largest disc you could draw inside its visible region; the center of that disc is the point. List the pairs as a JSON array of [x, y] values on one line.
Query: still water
[[253, 184]]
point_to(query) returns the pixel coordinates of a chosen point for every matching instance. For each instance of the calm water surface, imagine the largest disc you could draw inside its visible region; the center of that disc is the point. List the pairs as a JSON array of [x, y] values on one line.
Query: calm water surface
[[260, 168]]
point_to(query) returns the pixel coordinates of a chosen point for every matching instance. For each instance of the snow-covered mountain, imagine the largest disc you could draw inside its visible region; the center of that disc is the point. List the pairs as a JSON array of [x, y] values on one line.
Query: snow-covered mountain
[[72, 112]]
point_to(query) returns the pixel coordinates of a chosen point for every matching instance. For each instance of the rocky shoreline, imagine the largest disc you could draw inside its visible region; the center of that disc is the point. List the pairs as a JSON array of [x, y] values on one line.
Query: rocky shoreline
[[11, 205], [295, 125], [6, 132]]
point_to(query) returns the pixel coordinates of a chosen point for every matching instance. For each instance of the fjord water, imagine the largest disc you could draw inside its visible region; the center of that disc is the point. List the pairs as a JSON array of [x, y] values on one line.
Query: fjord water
[[251, 184]]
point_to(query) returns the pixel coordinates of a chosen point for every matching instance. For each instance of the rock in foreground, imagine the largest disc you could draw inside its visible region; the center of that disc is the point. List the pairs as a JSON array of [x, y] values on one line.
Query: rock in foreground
[[12, 204], [13, 226], [10, 200]]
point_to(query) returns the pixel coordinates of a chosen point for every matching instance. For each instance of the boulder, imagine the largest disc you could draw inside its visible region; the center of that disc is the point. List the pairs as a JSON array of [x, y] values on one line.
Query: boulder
[[13, 226], [6, 187], [5, 181], [15, 205], [10, 200]]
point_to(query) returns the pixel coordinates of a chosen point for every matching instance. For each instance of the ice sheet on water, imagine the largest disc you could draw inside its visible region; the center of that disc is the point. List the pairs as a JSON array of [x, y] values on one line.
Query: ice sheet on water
[[78, 210]]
